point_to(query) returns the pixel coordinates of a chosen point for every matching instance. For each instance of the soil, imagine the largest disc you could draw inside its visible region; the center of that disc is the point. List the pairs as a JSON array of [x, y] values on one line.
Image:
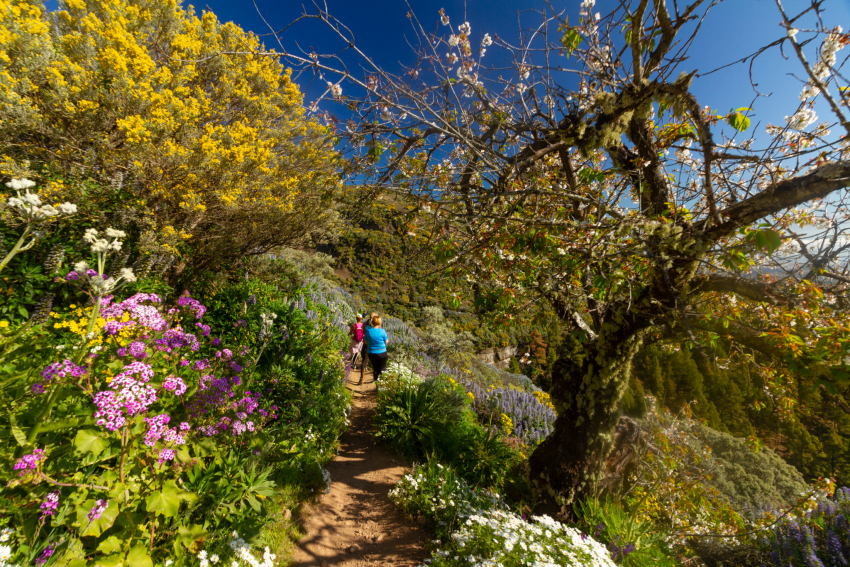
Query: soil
[[356, 524]]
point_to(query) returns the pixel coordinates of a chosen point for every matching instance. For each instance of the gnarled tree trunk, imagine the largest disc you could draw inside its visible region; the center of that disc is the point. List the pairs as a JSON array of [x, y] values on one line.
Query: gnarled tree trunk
[[586, 392]]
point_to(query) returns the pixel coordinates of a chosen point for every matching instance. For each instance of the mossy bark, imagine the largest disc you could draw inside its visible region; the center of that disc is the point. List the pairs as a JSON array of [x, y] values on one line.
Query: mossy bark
[[586, 392]]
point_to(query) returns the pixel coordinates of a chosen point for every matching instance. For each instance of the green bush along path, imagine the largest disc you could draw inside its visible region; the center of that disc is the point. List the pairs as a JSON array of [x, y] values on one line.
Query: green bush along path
[[356, 524]]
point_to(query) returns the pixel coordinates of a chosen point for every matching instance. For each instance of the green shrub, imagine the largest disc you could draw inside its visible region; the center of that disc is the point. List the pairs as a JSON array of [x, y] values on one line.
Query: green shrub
[[408, 418], [749, 479], [631, 541], [480, 455]]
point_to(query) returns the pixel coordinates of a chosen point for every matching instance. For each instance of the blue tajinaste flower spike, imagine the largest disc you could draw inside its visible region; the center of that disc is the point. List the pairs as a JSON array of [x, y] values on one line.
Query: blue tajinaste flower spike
[[834, 551]]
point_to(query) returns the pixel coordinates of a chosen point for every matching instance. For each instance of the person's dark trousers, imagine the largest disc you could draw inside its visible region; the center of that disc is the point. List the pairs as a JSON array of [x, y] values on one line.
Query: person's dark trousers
[[363, 360], [379, 363]]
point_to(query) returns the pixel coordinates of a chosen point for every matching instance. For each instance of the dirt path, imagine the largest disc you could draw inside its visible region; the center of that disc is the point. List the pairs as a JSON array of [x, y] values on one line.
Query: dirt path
[[356, 524]]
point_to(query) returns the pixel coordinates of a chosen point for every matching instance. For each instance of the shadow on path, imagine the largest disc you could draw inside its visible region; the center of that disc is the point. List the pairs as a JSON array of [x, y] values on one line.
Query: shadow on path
[[356, 524]]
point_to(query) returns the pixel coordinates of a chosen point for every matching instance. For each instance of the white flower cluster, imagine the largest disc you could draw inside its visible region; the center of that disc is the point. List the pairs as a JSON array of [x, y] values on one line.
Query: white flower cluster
[[267, 322], [98, 282], [826, 59], [497, 537], [101, 245], [401, 375], [336, 89], [29, 205], [446, 498], [5, 548], [205, 561], [802, 118], [243, 552]]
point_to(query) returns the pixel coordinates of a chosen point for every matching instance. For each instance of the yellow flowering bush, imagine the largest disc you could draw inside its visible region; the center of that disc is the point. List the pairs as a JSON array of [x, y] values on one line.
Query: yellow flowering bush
[[172, 106]]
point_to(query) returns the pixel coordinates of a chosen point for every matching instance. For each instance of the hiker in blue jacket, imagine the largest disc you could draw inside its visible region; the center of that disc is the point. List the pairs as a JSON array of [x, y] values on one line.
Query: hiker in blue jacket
[[376, 339]]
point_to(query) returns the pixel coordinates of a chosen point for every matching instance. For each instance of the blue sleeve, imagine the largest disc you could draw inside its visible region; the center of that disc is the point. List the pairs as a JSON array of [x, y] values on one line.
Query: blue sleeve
[[386, 338]]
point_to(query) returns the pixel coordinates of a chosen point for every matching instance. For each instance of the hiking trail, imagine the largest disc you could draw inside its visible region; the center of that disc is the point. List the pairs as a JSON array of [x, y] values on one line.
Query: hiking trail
[[356, 524]]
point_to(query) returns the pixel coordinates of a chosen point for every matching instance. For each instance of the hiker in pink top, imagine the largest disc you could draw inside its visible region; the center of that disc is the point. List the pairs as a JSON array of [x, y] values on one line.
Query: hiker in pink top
[[356, 345]]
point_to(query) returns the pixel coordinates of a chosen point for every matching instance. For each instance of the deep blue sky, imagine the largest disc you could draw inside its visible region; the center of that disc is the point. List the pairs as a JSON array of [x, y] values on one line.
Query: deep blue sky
[[733, 29]]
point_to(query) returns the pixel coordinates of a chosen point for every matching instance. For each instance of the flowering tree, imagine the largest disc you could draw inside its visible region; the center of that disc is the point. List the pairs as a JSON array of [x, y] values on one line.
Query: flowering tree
[[212, 148], [585, 173]]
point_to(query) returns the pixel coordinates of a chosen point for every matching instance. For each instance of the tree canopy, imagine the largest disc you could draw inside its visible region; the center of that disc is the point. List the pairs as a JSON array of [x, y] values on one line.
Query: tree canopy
[[582, 171]]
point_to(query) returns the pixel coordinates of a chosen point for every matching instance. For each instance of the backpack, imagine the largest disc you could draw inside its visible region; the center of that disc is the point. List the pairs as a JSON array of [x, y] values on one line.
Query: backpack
[[358, 332]]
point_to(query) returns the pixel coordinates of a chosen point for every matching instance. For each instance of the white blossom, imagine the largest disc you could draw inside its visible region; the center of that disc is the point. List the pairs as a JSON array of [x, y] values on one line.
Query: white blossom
[[67, 208], [90, 236], [20, 184], [115, 233]]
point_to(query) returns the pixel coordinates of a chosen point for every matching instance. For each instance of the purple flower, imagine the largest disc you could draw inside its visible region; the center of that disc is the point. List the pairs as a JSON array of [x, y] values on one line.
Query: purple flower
[[63, 369], [50, 505], [216, 342], [71, 276], [38, 388], [193, 305], [30, 463], [45, 555], [98, 509]]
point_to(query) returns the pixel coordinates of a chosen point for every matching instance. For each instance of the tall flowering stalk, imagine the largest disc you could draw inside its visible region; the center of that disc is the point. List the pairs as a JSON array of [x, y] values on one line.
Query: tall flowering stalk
[[97, 283], [30, 210]]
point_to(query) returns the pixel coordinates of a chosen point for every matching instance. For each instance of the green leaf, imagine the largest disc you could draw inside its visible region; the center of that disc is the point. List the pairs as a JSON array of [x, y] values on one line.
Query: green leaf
[[90, 441], [138, 557], [571, 40], [16, 431], [23, 312], [167, 500], [109, 545], [116, 560], [100, 525], [738, 121], [774, 240], [190, 535]]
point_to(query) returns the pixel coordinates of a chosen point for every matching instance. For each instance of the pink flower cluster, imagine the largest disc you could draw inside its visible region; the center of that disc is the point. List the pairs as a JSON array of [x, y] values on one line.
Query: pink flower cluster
[[63, 369], [165, 455], [129, 396], [50, 505], [175, 384], [192, 305], [142, 314], [136, 350], [30, 463], [158, 429]]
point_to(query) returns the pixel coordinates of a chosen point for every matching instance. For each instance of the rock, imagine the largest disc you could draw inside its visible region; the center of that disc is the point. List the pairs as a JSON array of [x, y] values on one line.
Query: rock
[[326, 563], [498, 357], [287, 514], [352, 548], [378, 538], [421, 520]]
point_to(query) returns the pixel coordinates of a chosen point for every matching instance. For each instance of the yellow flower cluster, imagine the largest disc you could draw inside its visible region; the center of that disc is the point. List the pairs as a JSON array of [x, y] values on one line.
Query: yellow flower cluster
[[544, 399], [210, 123], [77, 320], [506, 423]]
